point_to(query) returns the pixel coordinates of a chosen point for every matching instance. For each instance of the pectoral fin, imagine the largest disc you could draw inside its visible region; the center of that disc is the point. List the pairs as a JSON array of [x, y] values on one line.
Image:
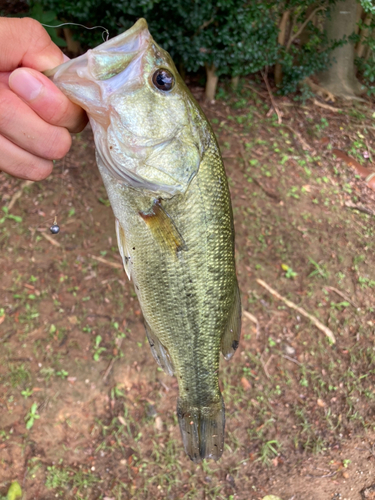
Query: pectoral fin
[[124, 252], [159, 352], [163, 228], [231, 337]]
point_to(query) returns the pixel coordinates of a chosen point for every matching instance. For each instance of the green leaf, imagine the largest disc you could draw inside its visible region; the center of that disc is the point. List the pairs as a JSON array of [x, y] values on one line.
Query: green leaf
[[105, 202], [16, 218], [29, 423], [368, 6], [14, 491]]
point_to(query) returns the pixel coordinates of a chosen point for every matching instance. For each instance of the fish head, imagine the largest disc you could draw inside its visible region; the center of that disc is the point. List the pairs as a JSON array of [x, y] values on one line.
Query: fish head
[[149, 131]]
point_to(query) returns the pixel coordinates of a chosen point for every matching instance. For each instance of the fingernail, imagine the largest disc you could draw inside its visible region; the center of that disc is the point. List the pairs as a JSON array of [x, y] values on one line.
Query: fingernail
[[25, 84]]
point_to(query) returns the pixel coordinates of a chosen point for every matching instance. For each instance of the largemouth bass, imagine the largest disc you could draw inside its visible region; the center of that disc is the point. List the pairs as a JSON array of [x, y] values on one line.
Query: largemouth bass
[[165, 180]]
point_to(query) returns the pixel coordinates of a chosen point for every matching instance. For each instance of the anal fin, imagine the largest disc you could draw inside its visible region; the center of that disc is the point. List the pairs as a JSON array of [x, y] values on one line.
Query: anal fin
[[231, 336], [160, 353], [121, 242], [163, 228]]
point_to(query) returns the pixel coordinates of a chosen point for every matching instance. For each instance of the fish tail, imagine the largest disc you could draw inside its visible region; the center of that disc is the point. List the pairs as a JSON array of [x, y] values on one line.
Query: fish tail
[[202, 429]]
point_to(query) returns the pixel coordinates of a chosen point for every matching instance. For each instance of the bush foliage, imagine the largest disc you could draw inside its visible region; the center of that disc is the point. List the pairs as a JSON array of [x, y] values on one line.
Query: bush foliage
[[233, 37]]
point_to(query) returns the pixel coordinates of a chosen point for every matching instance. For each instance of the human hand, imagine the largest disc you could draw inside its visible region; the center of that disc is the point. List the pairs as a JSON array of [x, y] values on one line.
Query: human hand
[[35, 116]]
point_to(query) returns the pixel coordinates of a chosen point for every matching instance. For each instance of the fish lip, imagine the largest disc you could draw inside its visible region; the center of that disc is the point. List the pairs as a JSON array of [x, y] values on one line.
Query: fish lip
[[136, 39], [139, 31], [51, 73]]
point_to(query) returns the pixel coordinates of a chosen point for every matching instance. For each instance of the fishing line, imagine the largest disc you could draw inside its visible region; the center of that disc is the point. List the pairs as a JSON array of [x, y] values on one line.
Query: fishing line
[[82, 26], [55, 227]]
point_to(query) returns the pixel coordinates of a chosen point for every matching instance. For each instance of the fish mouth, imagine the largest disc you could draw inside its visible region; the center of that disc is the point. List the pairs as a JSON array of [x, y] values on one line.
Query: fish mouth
[[102, 70]]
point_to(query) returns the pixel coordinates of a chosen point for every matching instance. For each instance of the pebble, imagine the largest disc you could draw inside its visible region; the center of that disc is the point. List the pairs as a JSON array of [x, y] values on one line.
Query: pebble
[[159, 424], [289, 350]]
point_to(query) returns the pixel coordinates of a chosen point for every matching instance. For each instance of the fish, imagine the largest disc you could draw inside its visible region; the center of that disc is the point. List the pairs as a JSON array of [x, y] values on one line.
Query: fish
[[165, 180]]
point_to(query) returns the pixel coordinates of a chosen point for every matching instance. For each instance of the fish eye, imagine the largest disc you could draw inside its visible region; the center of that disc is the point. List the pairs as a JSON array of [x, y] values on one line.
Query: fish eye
[[163, 79]]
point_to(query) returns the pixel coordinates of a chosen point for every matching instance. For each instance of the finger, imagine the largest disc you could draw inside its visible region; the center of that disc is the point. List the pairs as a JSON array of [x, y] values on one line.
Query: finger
[[18, 162], [47, 100], [4, 78], [24, 42], [26, 129]]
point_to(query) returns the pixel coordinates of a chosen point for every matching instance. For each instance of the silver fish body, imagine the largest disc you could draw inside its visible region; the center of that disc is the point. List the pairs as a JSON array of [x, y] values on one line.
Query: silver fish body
[[165, 179]]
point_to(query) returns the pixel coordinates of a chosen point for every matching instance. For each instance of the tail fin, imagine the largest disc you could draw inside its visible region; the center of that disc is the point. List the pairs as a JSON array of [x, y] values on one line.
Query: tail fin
[[202, 429]]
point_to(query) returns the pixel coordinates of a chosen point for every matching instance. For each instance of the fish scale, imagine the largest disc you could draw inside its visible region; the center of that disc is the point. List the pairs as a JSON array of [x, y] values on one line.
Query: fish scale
[[166, 183]]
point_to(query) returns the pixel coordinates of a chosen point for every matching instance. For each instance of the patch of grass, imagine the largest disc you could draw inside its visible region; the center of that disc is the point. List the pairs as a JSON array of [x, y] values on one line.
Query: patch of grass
[[319, 270], [47, 373], [18, 375], [269, 449], [67, 480]]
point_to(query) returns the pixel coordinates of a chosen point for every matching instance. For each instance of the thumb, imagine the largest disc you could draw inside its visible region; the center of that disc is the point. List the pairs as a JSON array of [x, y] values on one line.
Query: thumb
[[47, 100], [24, 42]]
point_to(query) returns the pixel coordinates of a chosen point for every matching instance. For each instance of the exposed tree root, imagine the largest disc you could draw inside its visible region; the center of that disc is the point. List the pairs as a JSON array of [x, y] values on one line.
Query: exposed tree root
[[325, 106], [294, 306], [274, 105], [319, 90]]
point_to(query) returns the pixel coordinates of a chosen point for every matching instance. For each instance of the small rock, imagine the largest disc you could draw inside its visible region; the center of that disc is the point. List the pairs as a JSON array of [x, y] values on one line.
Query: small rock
[[150, 410], [289, 350], [271, 497], [230, 479], [159, 424], [245, 384], [121, 420]]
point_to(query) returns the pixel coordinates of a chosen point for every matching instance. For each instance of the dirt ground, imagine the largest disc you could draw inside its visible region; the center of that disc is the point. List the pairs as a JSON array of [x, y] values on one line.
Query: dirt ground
[[85, 413]]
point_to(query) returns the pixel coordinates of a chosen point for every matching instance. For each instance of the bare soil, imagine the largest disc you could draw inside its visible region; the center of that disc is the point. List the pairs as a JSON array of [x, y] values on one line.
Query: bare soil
[[85, 413]]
